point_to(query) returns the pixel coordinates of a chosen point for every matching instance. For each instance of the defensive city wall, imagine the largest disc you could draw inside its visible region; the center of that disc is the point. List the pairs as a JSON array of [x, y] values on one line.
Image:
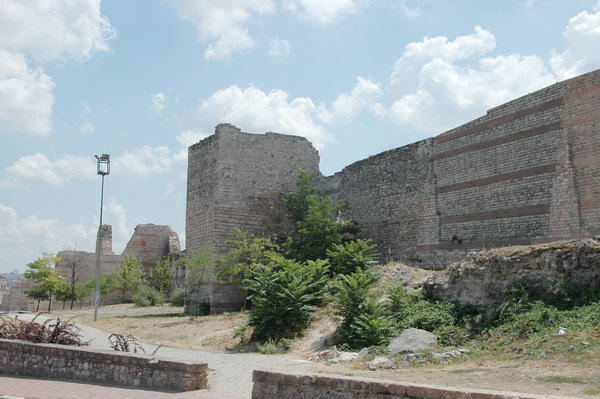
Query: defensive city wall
[[526, 172]]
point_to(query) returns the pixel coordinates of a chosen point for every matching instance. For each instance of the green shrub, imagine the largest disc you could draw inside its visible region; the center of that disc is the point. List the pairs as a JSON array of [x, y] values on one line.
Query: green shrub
[[416, 311], [372, 327], [349, 256], [274, 347], [246, 251], [351, 294], [147, 296], [315, 219], [284, 295], [177, 297], [364, 321]]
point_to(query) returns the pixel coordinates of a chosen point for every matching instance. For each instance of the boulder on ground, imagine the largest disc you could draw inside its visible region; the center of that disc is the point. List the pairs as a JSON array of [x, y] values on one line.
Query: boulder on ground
[[381, 362], [412, 340]]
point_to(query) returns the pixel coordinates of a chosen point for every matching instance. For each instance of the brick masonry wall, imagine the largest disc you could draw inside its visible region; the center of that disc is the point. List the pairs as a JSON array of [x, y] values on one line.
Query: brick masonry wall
[[526, 172], [391, 196], [80, 363], [272, 385]]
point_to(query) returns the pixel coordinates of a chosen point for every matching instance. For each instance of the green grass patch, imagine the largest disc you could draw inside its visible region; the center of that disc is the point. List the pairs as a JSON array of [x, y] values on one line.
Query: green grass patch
[[467, 371], [561, 379]]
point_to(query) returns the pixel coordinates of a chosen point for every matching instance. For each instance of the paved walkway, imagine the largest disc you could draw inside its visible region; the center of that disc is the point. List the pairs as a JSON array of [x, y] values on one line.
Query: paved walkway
[[21, 387], [230, 373]]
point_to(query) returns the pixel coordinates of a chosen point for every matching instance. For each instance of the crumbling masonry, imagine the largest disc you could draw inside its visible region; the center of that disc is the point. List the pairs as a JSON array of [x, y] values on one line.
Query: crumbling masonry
[[526, 172]]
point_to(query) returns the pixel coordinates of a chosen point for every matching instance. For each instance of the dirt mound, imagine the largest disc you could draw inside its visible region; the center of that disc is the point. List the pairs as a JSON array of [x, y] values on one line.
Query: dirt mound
[[485, 278]]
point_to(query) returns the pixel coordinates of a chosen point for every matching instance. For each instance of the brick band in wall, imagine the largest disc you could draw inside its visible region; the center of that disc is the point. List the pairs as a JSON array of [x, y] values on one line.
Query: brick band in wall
[[272, 385], [477, 128], [581, 119], [539, 170], [497, 214], [77, 363], [466, 245], [498, 141]]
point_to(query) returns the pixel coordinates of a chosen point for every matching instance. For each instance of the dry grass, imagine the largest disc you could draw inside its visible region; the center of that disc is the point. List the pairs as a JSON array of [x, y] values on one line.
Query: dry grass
[[214, 332]]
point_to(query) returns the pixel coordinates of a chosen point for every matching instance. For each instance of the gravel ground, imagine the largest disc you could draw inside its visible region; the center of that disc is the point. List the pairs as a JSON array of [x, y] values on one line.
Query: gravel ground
[[231, 373]]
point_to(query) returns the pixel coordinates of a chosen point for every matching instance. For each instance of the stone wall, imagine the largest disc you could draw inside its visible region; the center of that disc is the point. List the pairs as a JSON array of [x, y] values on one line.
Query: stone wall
[[526, 172], [272, 385], [80, 363]]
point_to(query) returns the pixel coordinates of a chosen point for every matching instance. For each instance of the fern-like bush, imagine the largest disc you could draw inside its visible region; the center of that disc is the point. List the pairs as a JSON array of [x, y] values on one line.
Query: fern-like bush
[[284, 295], [346, 257]]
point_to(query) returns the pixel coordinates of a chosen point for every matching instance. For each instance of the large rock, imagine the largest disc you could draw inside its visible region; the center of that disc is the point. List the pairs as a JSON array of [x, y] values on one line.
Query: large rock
[[412, 340]]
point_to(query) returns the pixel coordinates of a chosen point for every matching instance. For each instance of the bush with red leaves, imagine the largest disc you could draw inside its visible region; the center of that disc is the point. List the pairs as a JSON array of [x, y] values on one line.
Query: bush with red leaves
[[49, 332]]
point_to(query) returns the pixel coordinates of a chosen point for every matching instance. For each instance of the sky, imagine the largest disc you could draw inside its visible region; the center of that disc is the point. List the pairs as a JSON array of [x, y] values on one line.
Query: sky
[[142, 80]]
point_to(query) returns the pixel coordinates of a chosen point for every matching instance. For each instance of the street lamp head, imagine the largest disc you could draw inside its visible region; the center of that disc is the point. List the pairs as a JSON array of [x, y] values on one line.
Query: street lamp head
[[103, 164]]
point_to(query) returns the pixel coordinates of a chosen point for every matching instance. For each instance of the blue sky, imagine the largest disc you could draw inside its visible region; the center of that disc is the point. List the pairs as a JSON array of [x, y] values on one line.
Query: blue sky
[[143, 79]]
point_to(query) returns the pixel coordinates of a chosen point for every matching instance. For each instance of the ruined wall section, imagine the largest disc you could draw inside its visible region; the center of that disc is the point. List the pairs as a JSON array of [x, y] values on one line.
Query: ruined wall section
[[202, 181], [238, 180], [391, 196], [151, 242], [243, 186]]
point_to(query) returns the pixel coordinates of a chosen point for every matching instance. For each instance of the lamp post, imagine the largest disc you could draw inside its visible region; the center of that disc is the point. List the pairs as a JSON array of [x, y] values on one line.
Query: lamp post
[[103, 170]]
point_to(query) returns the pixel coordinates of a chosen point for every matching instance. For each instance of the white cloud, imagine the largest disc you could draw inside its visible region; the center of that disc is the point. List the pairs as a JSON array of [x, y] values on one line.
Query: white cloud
[[158, 103], [26, 97], [363, 96], [24, 239], [418, 54], [254, 110], [58, 29], [223, 21], [86, 108], [279, 47], [409, 11], [325, 12], [582, 35], [37, 169], [190, 137], [87, 128], [145, 160], [434, 91]]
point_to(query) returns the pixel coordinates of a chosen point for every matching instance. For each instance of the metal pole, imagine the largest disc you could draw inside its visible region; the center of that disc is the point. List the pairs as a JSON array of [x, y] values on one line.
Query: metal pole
[[98, 252]]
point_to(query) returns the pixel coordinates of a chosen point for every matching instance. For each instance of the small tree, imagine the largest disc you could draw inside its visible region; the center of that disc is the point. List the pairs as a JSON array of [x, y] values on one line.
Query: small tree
[[38, 293], [161, 276], [64, 294], [247, 250], [75, 268], [198, 264], [44, 273], [316, 221], [108, 284], [128, 276]]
